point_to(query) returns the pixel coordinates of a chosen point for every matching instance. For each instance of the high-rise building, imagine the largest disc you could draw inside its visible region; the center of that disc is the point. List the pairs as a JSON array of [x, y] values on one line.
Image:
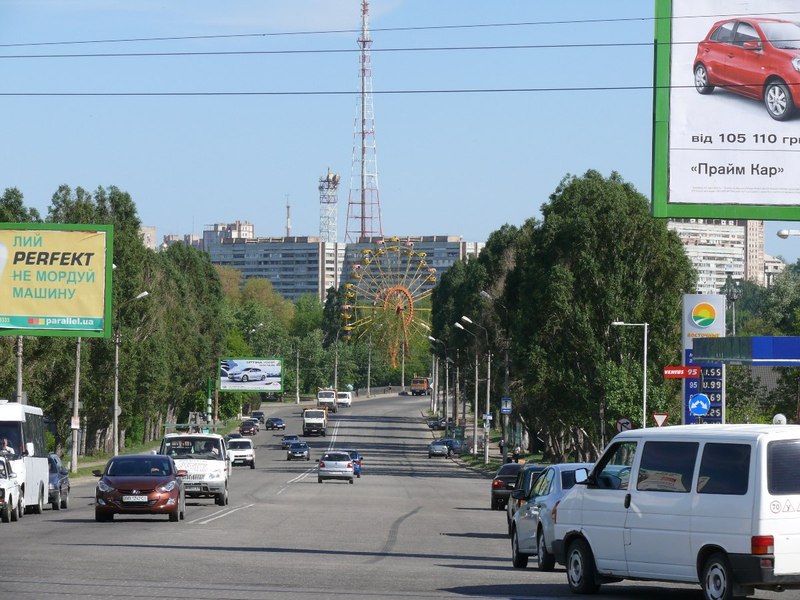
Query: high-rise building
[[719, 247]]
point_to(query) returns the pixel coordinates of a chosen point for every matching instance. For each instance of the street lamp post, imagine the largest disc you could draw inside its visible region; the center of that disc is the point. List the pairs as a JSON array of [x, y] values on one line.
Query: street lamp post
[[117, 339], [733, 291], [506, 347], [488, 385], [475, 403], [644, 366], [446, 370]]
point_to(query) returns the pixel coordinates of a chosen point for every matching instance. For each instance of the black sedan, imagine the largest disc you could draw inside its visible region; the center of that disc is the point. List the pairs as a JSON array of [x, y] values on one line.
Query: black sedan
[[275, 423], [503, 484], [58, 493], [248, 428]]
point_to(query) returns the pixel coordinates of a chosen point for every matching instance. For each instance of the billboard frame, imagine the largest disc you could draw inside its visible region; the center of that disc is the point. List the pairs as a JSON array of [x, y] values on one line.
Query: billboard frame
[[662, 207], [106, 331]]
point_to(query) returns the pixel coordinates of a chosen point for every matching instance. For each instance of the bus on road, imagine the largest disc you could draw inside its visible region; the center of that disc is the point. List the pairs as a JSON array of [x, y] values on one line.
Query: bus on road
[[22, 432]]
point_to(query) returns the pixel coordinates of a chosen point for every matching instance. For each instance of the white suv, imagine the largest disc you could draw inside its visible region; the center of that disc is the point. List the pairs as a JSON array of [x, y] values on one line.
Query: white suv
[[242, 452]]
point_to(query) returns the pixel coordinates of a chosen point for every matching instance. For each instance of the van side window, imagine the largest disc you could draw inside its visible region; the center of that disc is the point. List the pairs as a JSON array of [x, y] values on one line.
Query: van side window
[[724, 469], [667, 466], [613, 471], [783, 467]]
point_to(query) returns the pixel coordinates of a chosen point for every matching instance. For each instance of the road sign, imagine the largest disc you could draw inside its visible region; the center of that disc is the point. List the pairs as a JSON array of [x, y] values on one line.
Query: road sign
[[660, 418], [699, 405], [75, 423], [487, 417], [505, 406], [624, 424], [681, 372]]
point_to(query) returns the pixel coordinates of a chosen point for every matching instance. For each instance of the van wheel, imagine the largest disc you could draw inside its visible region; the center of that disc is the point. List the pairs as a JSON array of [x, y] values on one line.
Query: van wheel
[[5, 516], [16, 511], [544, 560], [717, 581], [518, 559], [38, 508], [580, 568]]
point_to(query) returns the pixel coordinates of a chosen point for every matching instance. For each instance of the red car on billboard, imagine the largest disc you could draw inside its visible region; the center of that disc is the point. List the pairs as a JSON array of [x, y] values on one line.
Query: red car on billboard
[[755, 57]]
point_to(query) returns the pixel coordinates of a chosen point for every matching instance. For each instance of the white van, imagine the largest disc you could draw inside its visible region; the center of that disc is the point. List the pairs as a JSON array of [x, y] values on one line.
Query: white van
[[717, 505]]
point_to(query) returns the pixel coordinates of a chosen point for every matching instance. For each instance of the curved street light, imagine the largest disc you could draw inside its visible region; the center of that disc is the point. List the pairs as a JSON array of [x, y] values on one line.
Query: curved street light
[[488, 385], [475, 404], [117, 339]]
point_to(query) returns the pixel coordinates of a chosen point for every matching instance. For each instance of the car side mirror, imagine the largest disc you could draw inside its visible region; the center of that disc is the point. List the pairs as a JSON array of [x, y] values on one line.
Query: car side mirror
[[97, 473], [182, 473], [518, 494], [752, 45], [581, 475]]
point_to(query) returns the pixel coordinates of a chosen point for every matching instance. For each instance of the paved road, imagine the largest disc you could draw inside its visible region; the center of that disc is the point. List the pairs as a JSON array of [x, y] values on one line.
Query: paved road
[[411, 527]]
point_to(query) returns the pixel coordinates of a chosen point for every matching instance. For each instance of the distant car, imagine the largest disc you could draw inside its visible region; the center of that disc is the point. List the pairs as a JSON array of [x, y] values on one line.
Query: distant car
[[12, 502], [355, 455], [533, 525], [344, 398], [438, 448], [140, 484], [58, 488], [455, 446], [289, 439], [247, 374], [242, 452], [259, 414], [254, 421], [298, 450], [503, 484], [274, 423], [248, 428], [523, 486], [335, 465], [754, 57]]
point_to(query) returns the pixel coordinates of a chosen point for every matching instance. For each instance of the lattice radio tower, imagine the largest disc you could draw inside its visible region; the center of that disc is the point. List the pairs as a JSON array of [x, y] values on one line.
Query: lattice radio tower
[[363, 204], [328, 205]]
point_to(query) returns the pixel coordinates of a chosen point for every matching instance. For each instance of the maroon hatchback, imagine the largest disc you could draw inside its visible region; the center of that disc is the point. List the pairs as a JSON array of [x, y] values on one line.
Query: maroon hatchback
[[140, 484]]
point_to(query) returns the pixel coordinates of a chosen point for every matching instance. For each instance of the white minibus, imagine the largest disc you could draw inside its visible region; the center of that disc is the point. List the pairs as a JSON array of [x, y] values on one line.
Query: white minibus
[[22, 430]]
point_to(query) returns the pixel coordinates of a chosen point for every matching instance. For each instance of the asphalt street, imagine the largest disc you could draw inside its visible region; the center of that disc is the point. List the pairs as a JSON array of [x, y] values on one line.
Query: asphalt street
[[410, 527]]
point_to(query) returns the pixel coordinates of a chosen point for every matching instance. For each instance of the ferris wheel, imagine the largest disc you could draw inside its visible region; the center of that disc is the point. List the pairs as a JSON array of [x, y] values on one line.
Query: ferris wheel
[[384, 298]]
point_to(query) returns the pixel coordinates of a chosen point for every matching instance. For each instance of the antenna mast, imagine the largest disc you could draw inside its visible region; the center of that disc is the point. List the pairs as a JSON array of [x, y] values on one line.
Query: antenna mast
[[363, 204]]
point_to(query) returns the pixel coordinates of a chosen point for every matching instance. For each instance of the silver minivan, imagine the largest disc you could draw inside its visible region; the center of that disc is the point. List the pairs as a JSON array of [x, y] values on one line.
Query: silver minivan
[[717, 505]]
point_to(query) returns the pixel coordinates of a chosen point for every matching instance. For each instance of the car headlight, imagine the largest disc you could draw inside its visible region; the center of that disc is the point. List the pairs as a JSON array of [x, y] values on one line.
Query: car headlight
[[215, 475], [51, 486], [102, 486], [167, 487], [796, 63]]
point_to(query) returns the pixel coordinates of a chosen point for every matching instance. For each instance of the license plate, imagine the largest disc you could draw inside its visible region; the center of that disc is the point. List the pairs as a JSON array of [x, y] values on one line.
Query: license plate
[[191, 487], [134, 498]]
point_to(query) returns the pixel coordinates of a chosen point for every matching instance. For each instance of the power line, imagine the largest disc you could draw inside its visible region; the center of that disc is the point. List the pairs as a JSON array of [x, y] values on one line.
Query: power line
[[620, 88], [384, 29]]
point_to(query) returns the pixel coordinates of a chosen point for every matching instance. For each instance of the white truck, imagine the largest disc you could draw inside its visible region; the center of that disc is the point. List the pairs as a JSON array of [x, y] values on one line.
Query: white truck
[[315, 421], [327, 399], [205, 458]]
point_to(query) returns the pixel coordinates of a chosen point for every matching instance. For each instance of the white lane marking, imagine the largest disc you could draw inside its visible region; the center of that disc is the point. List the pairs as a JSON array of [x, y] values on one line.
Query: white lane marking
[[227, 513]]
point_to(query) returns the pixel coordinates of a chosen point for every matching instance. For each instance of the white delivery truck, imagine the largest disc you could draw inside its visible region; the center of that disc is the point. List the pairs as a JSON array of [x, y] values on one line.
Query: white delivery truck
[[315, 421]]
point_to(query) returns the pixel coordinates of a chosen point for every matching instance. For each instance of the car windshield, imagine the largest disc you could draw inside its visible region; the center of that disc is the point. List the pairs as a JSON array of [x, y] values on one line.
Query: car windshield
[[240, 445], [138, 467], [337, 457], [299, 446], [188, 447], [782, 34]]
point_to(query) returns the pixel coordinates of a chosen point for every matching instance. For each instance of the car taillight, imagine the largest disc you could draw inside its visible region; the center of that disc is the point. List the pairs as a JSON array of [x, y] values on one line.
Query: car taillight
[[349, 465], [321, 464], [497, 483], [762, 544]]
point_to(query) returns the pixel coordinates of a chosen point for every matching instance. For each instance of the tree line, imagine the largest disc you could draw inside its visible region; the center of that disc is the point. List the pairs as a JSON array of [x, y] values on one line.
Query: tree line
[[541, 296]]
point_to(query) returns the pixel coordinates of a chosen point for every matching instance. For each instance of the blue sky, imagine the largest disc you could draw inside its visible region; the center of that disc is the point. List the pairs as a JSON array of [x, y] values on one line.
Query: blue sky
[[239, 142]]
